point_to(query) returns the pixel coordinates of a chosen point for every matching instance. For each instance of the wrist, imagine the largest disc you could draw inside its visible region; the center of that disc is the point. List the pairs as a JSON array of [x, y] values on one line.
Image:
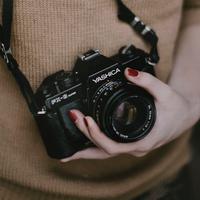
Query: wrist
[[191, 97], [194, 109]]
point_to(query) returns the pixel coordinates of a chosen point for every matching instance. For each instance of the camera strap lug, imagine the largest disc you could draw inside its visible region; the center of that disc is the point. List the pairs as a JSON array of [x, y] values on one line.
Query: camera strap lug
[[41, 112], [5, 53], [148, 60], [146, 32], [126, 49]]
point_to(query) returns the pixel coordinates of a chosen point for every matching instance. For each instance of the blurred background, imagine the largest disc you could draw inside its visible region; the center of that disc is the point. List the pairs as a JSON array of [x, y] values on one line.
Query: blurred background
[[192, 179]]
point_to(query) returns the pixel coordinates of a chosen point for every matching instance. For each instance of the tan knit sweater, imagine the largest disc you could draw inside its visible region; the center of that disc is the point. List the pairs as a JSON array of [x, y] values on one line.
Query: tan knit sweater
[[47, 36]]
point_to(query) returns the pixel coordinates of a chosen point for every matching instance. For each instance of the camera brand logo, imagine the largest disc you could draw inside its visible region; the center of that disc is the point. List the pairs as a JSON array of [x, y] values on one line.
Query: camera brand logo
[[106, 75]]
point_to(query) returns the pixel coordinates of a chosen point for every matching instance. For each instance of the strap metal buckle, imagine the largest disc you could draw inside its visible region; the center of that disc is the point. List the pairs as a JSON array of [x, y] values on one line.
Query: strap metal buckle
[[148, 60], [5, 52]]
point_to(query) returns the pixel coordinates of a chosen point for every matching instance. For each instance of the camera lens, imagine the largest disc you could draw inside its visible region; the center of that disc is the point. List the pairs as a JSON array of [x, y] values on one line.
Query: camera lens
[[128, 116], [125, 113]]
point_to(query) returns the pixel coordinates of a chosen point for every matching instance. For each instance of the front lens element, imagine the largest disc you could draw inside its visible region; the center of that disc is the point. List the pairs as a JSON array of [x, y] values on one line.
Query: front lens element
[[125, 114], [129, 115]]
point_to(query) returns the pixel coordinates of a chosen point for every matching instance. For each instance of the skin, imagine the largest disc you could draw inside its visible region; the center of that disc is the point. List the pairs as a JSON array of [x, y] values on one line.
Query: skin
[[177, 103]]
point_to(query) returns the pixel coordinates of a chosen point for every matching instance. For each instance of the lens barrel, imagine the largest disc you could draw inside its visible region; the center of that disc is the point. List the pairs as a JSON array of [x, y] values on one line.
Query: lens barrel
[[125, 112]]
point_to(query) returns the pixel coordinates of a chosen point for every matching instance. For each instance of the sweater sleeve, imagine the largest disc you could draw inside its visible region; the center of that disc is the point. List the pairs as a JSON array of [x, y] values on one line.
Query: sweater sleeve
[[191, 13]]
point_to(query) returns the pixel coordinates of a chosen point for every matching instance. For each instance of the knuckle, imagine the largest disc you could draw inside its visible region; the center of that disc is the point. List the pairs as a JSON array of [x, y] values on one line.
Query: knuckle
[[108, 151], [146, 78], [169, 92], [112, 151], [165, 96], [146, 147], [89, 125]]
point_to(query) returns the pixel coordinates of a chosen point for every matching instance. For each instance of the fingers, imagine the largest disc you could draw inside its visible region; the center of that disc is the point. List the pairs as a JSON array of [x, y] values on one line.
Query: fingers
[[90, 153], [78, 119], [91, 130], [149, 82], [95, 153], [108, 145], [104, 142]]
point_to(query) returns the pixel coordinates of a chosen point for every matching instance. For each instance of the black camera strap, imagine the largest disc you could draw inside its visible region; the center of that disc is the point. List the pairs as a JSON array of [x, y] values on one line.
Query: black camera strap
[[7, 16], [147, 33], [124, 14], [5, 51]]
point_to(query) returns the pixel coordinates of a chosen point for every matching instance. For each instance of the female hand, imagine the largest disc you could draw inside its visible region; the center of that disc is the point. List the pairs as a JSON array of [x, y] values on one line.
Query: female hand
[[174, 115]]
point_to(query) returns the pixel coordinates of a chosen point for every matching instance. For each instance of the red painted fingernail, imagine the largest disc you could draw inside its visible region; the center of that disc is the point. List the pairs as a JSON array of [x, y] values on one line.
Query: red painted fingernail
[[132, 72], [86, 122], [72, 116]]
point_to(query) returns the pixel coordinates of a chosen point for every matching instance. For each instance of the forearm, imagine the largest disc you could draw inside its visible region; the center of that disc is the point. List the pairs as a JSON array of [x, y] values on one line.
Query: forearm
[[185, 77]]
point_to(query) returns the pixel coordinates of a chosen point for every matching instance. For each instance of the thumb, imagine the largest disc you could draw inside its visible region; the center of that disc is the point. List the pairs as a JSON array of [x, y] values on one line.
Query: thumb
[[154, 86]]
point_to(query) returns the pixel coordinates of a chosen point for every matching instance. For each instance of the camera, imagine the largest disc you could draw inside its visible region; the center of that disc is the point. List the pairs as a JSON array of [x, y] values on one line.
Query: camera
[[97, 87]]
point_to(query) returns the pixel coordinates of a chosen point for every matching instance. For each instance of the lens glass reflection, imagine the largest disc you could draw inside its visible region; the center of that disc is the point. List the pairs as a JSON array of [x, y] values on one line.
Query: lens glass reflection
[[125, 114]]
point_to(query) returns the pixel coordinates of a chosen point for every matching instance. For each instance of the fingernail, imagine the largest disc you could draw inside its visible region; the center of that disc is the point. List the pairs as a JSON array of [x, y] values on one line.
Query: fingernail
[[86, 122], [132, 72], [72, 116]]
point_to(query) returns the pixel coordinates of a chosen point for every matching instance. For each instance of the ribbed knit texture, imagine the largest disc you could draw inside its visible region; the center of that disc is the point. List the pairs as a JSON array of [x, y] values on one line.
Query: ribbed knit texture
[[47, 36]]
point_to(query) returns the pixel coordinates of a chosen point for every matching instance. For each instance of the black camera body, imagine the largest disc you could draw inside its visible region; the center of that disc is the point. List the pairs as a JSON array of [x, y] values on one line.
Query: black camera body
[[97, 87]]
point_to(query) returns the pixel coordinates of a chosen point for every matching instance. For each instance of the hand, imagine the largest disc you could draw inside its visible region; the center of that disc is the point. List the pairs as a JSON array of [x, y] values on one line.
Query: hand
[[173, 117]]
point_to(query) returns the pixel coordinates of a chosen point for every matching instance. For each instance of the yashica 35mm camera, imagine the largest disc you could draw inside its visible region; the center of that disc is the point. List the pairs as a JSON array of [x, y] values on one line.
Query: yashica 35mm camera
[[97, 87]]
